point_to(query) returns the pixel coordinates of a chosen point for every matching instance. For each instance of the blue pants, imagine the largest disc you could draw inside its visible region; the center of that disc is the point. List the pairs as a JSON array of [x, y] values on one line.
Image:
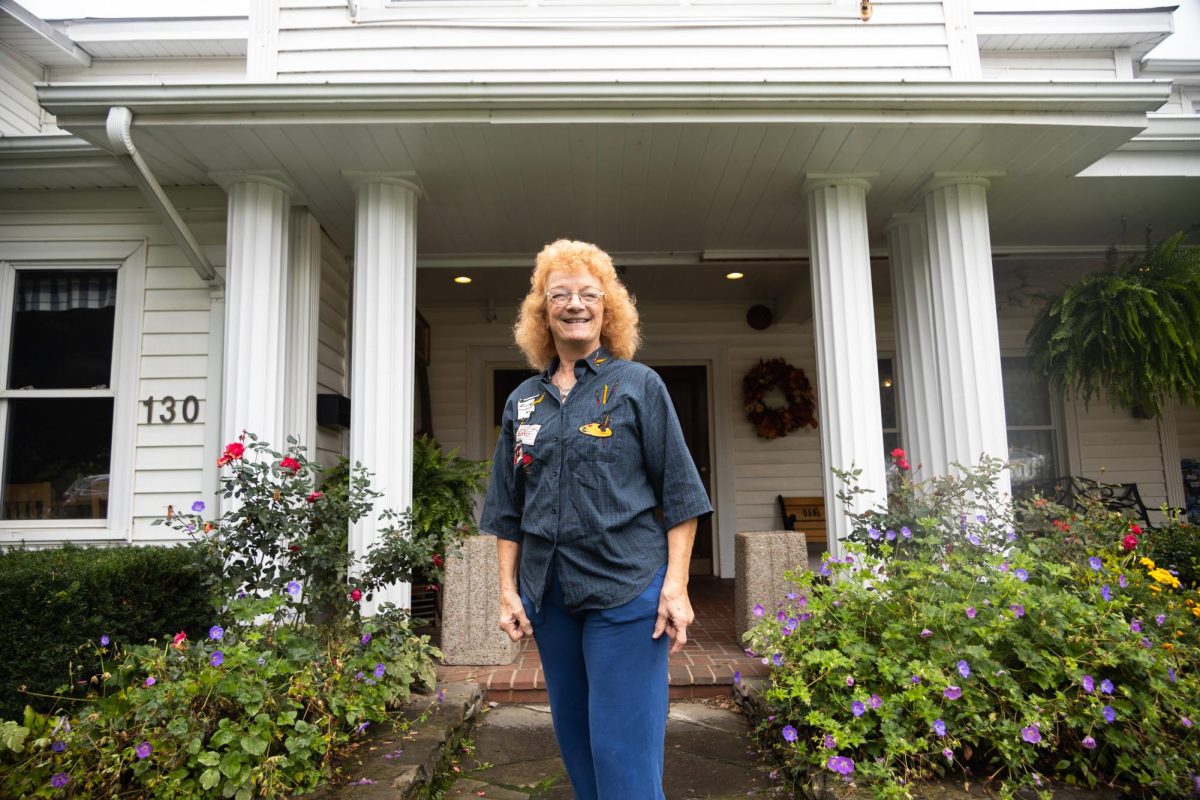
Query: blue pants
[[607, 682]]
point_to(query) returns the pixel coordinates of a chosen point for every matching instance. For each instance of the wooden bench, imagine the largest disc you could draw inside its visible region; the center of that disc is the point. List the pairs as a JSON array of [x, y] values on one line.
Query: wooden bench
[[1075, 493], [806, 515]]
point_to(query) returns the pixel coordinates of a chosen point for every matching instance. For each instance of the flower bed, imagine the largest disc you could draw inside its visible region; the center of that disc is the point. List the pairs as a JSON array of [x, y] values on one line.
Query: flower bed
[[949, 641]]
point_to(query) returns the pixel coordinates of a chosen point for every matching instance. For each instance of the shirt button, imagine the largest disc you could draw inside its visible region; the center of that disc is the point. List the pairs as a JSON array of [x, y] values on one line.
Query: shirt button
[[556, 438], [556, 475]]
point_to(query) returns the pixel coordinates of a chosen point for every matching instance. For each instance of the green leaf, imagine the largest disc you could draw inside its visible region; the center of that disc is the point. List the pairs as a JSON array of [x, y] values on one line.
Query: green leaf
[[254, 745], [209, 758], [12, 736], [209, 778]]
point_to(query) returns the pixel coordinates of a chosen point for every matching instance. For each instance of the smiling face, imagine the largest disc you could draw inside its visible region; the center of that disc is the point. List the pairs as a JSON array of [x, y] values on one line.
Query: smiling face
[[575, 326]]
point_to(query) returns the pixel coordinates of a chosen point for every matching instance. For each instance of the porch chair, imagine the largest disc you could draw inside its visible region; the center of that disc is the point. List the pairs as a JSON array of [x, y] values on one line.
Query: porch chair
[[1075, 493], [28, 500]]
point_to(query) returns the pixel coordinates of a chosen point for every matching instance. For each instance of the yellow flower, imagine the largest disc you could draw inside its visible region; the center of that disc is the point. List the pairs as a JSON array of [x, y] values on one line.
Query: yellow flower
[[1147, 563], [1162, 576]]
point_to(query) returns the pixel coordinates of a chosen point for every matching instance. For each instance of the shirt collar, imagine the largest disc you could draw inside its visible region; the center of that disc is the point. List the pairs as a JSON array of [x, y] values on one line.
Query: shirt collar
[[595, 361]]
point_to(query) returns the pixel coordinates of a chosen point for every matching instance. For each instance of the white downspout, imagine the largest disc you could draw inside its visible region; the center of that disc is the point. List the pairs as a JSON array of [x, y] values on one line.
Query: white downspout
[[120, 137]]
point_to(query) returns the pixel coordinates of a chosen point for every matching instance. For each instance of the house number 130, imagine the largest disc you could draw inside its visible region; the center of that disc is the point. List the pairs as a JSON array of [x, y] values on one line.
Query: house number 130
[[188, 409]]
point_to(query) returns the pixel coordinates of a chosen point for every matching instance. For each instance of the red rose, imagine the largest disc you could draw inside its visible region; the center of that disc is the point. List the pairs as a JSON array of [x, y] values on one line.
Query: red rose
[[1130, 542], [234, 451], [898, 453], [437, 560], [356, 595], [290, 464], [178, 641], [902, 463], [1135, 529], [295, 548], [314, 496]]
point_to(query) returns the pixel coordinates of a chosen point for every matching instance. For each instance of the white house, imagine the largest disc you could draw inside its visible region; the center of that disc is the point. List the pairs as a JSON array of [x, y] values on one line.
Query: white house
[[233, 212]]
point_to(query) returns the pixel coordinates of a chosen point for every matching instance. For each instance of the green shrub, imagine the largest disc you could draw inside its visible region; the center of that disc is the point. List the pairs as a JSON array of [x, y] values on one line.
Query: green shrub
[[444, 489], [55, 599], [1044, 656], [1176, 546]]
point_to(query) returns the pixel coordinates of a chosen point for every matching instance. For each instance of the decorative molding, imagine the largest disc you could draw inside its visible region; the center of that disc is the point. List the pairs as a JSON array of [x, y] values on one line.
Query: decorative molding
[[408, 180]]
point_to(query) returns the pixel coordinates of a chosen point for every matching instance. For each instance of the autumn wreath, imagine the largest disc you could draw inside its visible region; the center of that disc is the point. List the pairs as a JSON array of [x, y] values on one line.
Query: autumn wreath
[[771, 423]]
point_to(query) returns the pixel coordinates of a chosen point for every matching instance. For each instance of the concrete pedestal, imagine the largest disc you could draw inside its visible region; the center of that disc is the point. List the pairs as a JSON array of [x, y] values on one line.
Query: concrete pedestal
[[762, 558], [471, 607]]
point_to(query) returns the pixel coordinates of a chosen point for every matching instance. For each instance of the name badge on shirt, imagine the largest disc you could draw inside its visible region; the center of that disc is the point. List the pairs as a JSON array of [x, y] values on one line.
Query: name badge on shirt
[[527, 434], [525, 406]]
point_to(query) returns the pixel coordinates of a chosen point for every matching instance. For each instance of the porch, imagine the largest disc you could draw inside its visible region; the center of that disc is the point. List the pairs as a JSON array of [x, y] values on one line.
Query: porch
[[704, 668]]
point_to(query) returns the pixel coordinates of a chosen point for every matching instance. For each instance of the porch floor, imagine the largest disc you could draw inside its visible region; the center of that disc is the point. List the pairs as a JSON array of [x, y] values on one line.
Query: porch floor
[[704, 668]]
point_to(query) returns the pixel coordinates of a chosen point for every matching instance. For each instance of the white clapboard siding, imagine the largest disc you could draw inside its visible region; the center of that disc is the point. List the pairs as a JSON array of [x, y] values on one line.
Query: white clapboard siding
[[333, 346], [1016, 65], [154, 70], [1118, 448], [20, 114], [169, 459], [589, 41]]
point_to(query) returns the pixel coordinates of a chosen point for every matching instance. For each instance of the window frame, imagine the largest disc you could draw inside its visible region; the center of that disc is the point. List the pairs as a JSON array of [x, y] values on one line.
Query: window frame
[[1057, 426], [127, 259], [890, 357]]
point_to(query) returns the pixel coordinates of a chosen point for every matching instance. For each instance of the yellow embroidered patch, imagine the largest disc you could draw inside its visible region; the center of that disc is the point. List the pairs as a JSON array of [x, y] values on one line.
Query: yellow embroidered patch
[[594, 429]]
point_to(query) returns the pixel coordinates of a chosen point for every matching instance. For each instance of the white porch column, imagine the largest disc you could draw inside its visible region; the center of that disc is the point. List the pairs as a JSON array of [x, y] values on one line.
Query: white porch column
[[256, 253], [304, 288], [916, 345], [844, 326], [964, 317], [384, 357]]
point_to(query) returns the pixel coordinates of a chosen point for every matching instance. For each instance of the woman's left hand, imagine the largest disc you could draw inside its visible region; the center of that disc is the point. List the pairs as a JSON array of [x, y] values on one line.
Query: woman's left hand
[[674, 614]]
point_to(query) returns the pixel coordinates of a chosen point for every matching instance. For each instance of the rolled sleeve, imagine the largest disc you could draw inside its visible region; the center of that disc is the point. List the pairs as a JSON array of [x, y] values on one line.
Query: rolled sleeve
[[502, 508], [669, 465]]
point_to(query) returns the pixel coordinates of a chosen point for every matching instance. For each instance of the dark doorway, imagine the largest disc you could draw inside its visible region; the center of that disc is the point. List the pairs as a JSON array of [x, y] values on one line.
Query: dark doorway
[[688, 387]]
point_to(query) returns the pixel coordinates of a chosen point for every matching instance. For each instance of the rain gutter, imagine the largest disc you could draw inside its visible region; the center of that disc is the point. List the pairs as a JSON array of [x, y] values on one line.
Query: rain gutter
[[119, 131]]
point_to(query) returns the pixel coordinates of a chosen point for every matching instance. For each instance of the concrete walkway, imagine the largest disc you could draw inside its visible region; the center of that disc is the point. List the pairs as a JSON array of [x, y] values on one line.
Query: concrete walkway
[[515, 756]]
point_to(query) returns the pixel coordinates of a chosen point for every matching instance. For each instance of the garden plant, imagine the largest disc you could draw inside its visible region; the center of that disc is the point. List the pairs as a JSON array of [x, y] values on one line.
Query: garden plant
[[256, 703], [951, 640]]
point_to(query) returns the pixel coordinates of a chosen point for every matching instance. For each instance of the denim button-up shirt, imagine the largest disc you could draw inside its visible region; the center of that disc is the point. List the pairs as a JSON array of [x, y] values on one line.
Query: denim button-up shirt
[[577, 483]]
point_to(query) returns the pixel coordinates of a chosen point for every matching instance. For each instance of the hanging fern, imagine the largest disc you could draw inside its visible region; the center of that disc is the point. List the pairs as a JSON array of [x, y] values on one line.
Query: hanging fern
[[1130, 332]]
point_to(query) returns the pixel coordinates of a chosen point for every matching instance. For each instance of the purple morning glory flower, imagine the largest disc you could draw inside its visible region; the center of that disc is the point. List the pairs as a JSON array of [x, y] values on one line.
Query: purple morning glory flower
[[1017, 610], [1159, 619], [1089, 743], [905, 532], [825, 569], [365, 640], [149, 681], [915, 679], [873, 533], [759, 610], [1003, 566], [1146, 642], [939, 727], [1135, 625], [1187, 723], [973, 539], [948, 753], [952, 692], [1171, 674], [789, 733], [143, 750], [198, 506], [829, 741], [59, 779], [737, 677], [1022, 575], [293, 588], [876, 701], [1088, 684], [379, 670], [217, 658], [1109, 714], [777, 659], [891, 535], [362, 726], [1031, 734], [1121, 581], [59, 746], [1095, 563], [926, 633], [791, 595], [840, 764], [1106, 593], [104, 640], [216, 633], [857, 708], [849, 680], [780, 616], [358, 676], [964, 669], [1011, 536], [980, 518], [970, 612], [1106, 686]]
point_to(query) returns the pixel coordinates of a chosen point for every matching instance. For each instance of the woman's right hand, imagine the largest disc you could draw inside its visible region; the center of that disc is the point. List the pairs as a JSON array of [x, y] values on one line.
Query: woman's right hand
[[512, 616]]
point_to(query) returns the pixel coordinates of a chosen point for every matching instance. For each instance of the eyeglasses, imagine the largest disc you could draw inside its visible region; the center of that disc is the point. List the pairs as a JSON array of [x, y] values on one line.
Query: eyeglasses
[[560, 297]]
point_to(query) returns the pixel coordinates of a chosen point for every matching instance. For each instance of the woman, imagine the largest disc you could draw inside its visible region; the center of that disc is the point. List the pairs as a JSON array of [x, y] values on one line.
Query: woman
[[590, 450]]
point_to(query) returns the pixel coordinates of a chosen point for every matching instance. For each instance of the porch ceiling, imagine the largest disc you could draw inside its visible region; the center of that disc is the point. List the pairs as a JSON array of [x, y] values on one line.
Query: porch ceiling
[[698, 175]]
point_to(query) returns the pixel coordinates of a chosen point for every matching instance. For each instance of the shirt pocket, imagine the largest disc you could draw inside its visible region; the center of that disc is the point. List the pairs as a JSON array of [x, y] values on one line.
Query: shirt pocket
[[601, 438]]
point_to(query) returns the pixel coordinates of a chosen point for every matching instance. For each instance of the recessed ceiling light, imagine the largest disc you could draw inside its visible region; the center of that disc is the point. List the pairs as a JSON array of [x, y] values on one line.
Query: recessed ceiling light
[[462, 279], [733, 276]]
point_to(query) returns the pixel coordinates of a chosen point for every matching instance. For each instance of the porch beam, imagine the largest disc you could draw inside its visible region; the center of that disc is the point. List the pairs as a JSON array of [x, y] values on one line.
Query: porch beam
[[382, 373], [849, 421]]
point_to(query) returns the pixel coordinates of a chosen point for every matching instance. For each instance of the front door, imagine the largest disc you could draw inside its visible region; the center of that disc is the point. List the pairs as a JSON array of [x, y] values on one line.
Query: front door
[[688, 387]]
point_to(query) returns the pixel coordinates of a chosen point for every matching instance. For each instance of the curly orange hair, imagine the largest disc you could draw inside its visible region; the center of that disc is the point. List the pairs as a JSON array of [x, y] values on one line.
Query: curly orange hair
[[620, 333]]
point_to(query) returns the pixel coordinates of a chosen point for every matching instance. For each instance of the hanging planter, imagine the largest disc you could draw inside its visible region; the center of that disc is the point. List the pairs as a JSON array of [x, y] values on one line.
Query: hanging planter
[[1131, 332]]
